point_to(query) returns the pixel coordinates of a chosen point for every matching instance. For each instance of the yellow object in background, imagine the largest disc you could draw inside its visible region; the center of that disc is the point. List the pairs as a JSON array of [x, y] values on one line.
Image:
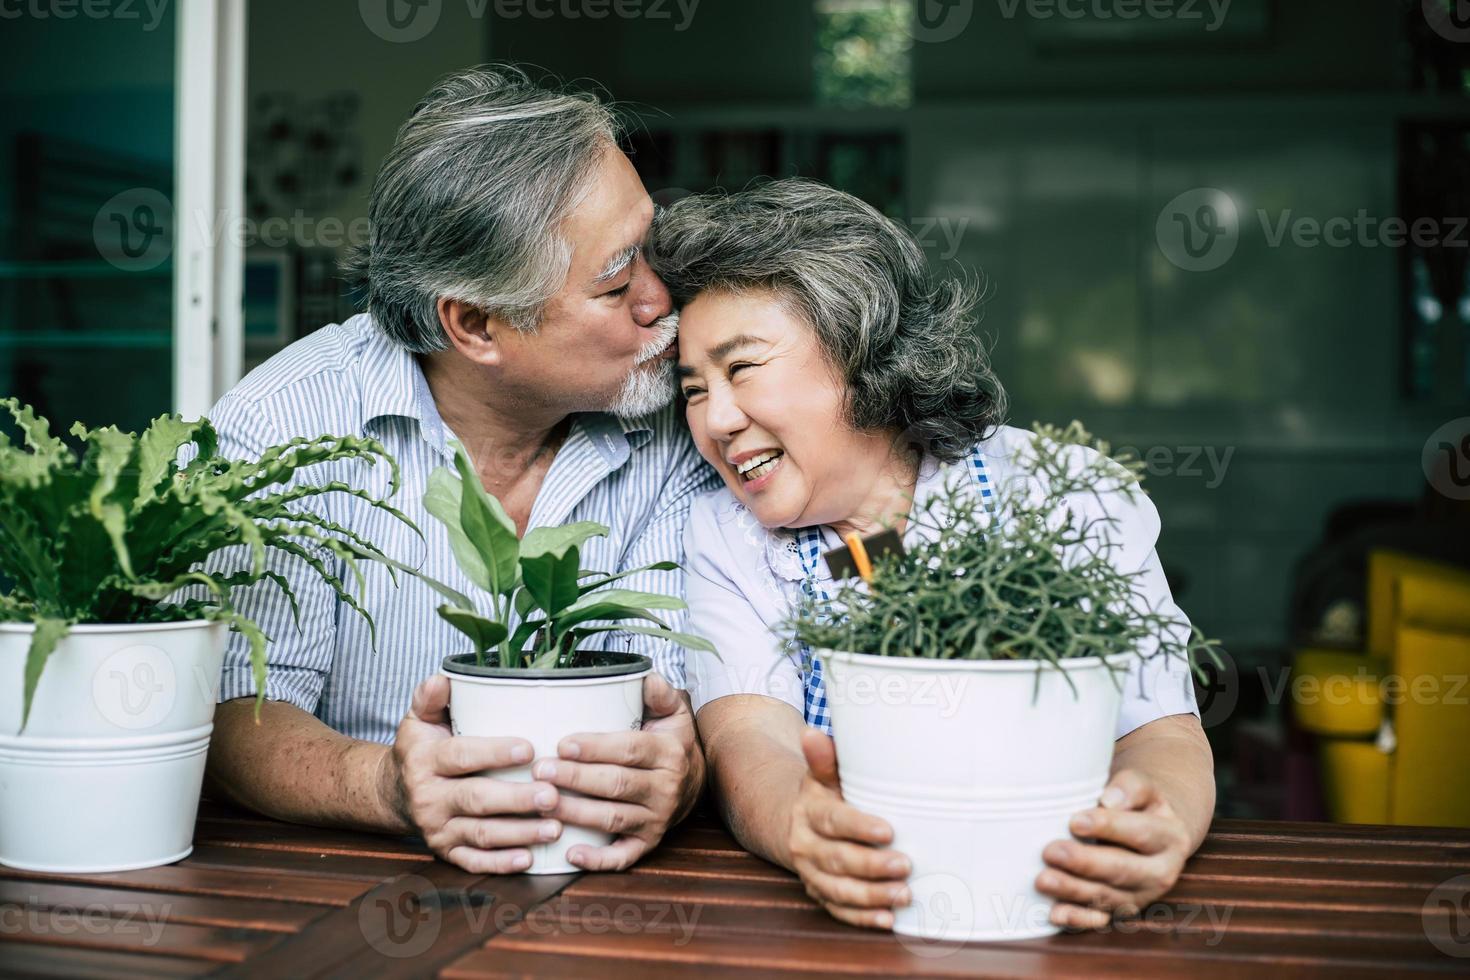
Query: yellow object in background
[[1394, 722]]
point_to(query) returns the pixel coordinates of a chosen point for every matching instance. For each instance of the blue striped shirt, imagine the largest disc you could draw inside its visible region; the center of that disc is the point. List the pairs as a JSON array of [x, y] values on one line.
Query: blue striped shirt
[[637, 477]]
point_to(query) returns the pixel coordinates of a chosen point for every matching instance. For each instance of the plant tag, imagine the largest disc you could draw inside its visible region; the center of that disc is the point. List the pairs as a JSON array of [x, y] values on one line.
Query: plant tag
[[840, 560]]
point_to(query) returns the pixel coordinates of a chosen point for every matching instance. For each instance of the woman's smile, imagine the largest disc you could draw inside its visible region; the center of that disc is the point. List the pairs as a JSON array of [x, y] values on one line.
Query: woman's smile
[[757, 472]]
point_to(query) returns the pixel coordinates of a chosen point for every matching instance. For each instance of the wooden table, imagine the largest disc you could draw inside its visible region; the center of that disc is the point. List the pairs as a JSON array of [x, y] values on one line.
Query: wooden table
[[260, 898]]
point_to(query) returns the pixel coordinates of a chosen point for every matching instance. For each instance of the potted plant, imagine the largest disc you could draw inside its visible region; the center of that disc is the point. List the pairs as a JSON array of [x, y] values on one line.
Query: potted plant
[[974, 682], [533, 679], [115, 633]]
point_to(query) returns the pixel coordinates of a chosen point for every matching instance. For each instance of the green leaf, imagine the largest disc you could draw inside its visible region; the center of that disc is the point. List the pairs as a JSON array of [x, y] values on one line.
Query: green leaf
[[683, 639], [483, 633], [49, 632], [442, 501], [158, 452], [658, 566], [487, 526], [556, 540], [627, 597], [523, 635], [551, 579], [601, 611]]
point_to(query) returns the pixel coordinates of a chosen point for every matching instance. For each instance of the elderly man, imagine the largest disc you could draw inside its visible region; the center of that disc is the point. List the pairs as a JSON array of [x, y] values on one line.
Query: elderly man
[[510, 306]]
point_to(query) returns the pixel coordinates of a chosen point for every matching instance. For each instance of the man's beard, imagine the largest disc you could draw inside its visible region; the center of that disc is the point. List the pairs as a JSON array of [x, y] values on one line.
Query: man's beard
[[651, 386]]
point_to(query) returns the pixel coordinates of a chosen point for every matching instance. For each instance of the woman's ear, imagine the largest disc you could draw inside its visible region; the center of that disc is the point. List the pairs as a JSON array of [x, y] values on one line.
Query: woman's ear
[[471, 331]]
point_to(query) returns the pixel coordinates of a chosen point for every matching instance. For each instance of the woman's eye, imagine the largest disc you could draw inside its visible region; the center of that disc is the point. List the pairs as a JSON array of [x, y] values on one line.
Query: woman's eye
[[689, 393], [735, 368]]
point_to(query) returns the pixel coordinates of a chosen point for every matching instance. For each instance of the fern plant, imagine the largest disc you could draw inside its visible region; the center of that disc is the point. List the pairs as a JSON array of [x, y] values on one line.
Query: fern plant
[[1028, 580], [106, 535], [538, 578]]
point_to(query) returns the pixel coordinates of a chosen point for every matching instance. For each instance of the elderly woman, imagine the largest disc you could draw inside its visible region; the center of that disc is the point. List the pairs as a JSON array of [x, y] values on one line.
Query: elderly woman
[[832, 382]]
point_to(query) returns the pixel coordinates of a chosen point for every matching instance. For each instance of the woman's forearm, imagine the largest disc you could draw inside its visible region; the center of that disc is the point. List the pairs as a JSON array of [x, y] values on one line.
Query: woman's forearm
[[756, 768], [1175, 754]]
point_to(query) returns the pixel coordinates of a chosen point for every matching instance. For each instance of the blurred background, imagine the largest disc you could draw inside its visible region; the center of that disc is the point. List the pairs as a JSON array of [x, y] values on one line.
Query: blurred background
[[1229, 235]]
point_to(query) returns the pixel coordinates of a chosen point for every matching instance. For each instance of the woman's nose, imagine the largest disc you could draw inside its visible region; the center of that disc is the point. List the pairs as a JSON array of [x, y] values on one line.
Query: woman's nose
[[722, 415]]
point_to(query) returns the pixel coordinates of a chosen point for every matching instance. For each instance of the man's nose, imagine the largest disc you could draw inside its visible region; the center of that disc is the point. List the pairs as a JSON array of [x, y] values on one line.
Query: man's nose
[[652, 300]]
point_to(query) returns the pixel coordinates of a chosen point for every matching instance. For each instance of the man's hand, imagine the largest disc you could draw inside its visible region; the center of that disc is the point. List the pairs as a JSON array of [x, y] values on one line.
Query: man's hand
[[431, 778], [1141, 846], [635, 785], [840, 852]]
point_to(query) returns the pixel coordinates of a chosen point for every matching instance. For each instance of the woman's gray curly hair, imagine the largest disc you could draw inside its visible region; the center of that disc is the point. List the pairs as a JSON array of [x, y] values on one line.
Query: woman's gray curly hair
[[904, 341]]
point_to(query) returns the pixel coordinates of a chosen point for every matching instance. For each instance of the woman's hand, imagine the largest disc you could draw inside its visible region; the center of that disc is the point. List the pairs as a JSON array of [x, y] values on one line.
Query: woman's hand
[[838, 851], [1140, 847]]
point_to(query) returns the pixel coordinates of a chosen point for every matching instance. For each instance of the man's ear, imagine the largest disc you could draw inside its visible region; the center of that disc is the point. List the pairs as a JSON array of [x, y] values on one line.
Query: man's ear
[[471, 331]]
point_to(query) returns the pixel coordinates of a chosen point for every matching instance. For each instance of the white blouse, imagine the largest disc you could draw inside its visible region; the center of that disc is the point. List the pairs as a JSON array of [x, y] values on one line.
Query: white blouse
[[744, 580]]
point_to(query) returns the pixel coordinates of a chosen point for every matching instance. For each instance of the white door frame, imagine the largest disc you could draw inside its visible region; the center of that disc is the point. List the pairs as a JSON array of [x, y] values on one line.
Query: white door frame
[[209, 189]]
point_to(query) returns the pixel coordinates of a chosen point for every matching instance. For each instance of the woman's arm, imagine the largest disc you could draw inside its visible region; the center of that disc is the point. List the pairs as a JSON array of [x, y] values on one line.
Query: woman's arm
[[776, 784], [1152, 816]]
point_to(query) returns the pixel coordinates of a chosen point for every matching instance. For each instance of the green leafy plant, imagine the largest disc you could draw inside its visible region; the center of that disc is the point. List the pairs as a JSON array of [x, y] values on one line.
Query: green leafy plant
[[107, 534], [1029, 581], [537, 579]]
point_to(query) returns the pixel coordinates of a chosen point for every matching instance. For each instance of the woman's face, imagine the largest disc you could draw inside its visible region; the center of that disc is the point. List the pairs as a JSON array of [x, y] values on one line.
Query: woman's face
[[761, 392]]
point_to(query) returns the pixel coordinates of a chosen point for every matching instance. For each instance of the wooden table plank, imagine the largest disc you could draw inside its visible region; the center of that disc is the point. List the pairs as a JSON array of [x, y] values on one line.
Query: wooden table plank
[[27, 960], [261, 898]]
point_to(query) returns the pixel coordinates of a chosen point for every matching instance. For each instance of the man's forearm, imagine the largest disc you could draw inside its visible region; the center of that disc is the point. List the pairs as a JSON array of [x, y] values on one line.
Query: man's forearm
[[293, 767]]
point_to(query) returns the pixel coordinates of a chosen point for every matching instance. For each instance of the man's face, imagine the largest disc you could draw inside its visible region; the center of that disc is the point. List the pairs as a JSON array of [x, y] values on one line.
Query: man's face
[[606, 341]]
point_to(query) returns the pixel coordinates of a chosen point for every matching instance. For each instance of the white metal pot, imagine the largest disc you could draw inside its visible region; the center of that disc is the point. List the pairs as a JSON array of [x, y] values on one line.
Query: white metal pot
[[544, 707], [107, 679], [91, 805], [107, 773], [977, 765]]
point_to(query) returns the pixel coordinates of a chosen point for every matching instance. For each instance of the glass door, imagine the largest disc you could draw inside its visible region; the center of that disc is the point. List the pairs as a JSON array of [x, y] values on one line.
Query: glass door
[[116, 134]]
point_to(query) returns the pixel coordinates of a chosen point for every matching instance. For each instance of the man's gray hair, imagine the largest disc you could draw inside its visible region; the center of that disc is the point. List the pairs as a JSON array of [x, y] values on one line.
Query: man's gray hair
[[469, 201], [904, 342]]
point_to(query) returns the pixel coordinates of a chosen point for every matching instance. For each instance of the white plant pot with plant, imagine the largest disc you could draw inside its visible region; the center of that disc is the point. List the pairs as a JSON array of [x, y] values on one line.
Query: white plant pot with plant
[[105, 725], [975, 683], [535, 681]]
